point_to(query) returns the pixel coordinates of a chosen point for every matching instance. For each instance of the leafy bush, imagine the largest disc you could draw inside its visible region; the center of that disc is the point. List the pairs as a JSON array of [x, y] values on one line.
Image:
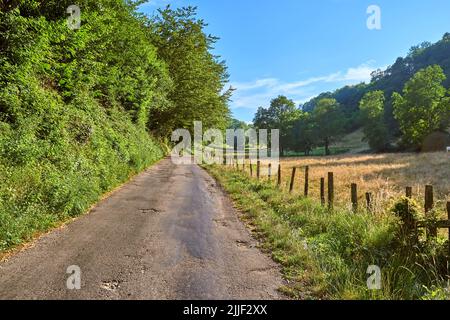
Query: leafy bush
[[76, 106], [74, 110]]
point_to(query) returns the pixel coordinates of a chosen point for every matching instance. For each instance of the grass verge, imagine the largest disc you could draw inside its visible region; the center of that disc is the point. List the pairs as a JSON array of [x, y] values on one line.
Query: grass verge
[[326, 255], [40, 195]]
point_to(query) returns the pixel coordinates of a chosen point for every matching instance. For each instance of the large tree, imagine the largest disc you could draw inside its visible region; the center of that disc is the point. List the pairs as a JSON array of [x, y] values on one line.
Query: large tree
[[424, 105], [372, 115], [237, 124], [305, 138], [329, 122], [281, 115], [199, 76]]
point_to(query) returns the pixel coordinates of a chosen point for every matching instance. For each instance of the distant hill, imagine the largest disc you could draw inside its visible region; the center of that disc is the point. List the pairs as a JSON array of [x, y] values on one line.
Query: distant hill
[[353, 142], [390, 80]]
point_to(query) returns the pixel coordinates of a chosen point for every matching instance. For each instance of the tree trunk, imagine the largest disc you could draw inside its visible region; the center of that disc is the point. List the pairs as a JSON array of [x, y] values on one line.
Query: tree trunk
[[327, 147]]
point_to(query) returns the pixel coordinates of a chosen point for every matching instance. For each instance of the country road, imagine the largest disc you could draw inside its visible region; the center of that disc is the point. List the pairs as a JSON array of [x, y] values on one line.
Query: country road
[[170, 233]]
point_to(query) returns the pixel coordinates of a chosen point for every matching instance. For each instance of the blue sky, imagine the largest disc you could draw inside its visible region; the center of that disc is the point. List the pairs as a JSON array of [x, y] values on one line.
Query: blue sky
[[300, 48]]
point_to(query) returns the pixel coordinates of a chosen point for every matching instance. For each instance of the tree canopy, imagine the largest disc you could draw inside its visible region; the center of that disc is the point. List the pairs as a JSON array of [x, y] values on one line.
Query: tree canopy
[[424, 105], [199, 77], [81, 110], [372, 111], [329, 122], [281, 115], [390, 80]]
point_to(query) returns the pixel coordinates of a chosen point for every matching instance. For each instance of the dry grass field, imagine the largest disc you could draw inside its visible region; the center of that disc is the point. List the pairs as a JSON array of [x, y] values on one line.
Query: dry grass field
[[385, 175], [340, 244]]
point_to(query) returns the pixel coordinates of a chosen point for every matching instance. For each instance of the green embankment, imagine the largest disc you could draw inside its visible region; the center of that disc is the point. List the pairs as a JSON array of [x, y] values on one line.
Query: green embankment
[[85, 154], [84, 106], [74, 108]]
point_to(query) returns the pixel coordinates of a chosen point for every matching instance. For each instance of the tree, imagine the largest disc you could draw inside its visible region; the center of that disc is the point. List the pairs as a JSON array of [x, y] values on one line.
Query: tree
[[199, 76], [262, 120], [390, 80], [305, 137], [237, 124], [281, 115], [424, 106], [372, 115], [329, 122]]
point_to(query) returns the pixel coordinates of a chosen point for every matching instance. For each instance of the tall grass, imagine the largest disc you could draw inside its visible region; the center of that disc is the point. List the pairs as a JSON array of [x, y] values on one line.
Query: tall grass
[[384, 175], [326, 254]]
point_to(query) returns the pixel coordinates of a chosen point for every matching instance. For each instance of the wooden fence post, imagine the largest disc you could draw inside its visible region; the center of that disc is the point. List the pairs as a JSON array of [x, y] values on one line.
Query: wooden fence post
[[269, 172], [330, 190], [258, 169], [354, 190], [322, 191], [369, 201], [448, 217], [279, 175], [429, 203], [291, 187], [306, 181], [409, 192]]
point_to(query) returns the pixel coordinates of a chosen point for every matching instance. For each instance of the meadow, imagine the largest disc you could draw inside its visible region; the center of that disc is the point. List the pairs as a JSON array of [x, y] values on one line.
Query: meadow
[[385, 175], [325, 253]]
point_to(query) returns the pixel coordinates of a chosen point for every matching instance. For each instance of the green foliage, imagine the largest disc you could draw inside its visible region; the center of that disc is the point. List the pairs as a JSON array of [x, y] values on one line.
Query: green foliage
[[391, 80], [408, 212], [76, 106], [199, 77], [372, 114], [302, 131], [281, 115], [329, 122], [317, 152], [424, 106], [236, 124], [305, 135], [437, 293], [327, 254]]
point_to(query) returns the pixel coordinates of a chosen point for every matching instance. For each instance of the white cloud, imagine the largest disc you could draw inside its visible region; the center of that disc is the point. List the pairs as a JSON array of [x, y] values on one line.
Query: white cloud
[[153, 4], [251, 95], [361, 73], [269, 82]]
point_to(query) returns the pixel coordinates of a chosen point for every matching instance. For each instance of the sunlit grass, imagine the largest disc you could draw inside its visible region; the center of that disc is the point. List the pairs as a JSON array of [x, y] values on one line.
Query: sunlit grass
[[386, 176], [325, 254]]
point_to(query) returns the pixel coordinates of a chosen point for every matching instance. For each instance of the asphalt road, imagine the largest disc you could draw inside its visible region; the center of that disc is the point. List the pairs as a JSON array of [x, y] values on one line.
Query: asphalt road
[[171, 233]]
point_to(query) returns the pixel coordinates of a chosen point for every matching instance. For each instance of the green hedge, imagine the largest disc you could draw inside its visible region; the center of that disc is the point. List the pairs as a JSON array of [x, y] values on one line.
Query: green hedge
[[74, 108]]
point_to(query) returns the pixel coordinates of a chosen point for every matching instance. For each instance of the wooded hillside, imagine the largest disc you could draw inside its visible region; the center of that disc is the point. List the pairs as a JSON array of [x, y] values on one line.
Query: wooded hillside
[[83, 109]]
